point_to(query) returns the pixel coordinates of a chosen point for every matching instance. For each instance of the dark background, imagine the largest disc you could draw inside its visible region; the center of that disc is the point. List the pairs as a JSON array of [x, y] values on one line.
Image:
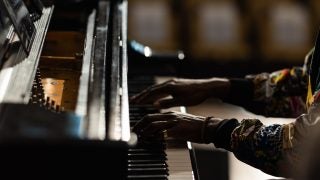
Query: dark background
[[222, 37]]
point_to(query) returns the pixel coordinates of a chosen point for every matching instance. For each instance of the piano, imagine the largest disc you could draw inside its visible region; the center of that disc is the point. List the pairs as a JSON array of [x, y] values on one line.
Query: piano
[[64, 88]]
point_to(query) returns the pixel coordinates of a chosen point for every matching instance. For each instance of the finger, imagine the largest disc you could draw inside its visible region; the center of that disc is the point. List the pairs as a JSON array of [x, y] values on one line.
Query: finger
[[157, 128], [137, 97], [149, 119], [167, 103], [152, 94], [145, 121]]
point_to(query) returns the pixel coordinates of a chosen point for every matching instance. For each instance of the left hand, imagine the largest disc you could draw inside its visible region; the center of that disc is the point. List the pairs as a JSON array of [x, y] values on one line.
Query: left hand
[[182, 92], [178, 126]]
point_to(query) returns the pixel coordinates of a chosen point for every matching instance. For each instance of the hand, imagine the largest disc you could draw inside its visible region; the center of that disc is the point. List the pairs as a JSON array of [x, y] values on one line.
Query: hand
[[184, 92], [178, 126]]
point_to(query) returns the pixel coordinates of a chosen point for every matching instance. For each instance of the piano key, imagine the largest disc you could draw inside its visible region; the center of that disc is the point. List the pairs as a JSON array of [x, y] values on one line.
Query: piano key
[[147, 156], [179, 164], [147, 177], [148, 171], [159, 160], [138, 150], [140, 165], [144, 161]]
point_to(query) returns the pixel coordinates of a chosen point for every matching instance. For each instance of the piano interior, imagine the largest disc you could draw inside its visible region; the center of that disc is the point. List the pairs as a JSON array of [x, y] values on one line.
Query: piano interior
[[60, 68]]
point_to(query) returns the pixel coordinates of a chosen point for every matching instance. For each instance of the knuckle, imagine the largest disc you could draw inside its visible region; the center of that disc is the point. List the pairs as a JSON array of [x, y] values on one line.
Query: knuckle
[[174, 80], [171, 112], [171, 84], [171, 81]]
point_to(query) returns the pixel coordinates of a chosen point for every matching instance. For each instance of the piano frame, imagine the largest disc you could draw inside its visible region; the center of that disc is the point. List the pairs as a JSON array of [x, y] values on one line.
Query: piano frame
[[98, 146]]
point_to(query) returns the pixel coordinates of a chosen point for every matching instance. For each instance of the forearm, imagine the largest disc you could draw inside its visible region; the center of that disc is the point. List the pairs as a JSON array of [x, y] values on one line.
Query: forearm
[[216, 87]]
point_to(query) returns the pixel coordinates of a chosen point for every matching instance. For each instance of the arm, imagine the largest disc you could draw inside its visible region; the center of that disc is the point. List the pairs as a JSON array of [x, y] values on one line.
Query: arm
[[274, 149], [281, 93], [271, 94], [271, 149], [182, 92]]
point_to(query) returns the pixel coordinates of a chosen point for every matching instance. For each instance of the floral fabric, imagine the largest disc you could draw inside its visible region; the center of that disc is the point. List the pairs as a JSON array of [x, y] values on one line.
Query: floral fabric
[[276, 149]]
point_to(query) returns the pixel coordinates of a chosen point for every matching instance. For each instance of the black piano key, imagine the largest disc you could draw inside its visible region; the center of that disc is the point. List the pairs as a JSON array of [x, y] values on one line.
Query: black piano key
[[143, 150], [148, 171], [147, 156], [147, 177], [146, 165], [145, 161]]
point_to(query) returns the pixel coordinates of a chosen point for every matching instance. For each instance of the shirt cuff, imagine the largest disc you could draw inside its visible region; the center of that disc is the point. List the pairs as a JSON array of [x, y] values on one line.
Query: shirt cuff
[[241, 90], [220, 133]]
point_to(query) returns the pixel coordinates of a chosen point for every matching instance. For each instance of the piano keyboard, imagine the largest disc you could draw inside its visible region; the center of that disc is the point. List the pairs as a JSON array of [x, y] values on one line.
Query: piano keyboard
[[155, 160], [179, 162]]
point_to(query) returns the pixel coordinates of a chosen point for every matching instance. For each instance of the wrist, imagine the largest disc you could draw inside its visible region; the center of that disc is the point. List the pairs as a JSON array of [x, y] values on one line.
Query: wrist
[[218, 131], [209, 129], [240, 90]]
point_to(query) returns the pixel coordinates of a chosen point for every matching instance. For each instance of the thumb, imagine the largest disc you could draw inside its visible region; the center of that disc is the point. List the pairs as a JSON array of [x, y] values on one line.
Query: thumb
[[167, 103]]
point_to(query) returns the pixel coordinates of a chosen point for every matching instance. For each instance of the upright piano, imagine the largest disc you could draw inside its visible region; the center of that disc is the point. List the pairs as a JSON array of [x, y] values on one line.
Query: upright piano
[[64, 88]]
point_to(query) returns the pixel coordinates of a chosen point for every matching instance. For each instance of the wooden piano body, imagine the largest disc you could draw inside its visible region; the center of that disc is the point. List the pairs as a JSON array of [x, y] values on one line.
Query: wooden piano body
[[62, 112]]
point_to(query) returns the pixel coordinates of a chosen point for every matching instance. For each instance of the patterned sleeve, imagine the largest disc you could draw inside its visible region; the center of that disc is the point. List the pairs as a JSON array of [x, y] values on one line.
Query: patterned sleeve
[[276, 149], [281, 93], [258, 145], [279, 150], [278, 94]]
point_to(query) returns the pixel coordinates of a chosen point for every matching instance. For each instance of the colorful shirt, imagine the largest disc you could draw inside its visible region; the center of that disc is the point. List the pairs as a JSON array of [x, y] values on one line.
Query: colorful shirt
[[276, 149]]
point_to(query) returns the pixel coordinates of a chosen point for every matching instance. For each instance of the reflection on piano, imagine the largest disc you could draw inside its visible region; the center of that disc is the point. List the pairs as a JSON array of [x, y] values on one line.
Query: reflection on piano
[[64, 108]]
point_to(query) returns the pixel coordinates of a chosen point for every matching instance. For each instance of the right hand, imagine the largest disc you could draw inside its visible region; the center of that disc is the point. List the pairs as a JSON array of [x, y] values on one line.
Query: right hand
[[183, 92], [176, 126]]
